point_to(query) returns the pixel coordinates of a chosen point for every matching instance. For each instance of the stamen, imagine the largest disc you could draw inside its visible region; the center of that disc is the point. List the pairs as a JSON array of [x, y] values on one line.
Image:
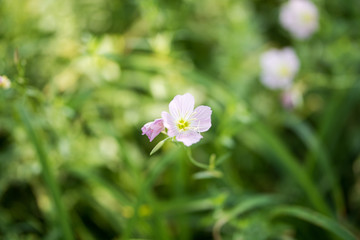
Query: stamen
[[182, 125]]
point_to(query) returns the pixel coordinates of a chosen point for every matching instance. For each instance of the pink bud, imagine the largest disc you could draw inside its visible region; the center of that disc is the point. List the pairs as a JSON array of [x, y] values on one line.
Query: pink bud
[[152, 129]]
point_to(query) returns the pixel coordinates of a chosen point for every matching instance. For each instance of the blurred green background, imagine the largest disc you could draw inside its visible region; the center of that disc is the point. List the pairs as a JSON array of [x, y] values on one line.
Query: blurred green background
[[88, 74]]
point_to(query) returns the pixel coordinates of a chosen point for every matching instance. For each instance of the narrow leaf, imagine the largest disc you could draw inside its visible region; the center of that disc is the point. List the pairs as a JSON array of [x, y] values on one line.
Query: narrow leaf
[[208, 174], [316, 219], [47, 172], [158, 146]]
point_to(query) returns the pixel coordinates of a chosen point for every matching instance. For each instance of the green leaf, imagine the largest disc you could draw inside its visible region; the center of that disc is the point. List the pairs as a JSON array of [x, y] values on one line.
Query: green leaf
[[244, 206], [316, 219], [158, 146], [290, 163], [321, 156], [222, 158], [208, 174]]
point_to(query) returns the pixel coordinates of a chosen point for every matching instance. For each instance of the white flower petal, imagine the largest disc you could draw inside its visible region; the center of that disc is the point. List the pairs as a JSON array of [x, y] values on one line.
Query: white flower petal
[[299, 17], [182, 106], [169, 123], [188, 137], [279, 68], [202, 118]]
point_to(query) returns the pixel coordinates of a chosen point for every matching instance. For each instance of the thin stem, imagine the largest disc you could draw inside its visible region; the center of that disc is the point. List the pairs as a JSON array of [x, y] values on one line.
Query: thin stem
[[198, 164]]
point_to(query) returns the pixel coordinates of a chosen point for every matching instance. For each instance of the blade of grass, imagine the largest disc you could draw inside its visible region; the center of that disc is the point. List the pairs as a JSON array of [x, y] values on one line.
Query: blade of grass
[[113, 218], [309, 138], [294, 169], [331, 126], [334, 117], [337, 112], [332, 121], [244, 206], [188, 204], [47, 173], [314, 218], [160, 227], [95, 179]]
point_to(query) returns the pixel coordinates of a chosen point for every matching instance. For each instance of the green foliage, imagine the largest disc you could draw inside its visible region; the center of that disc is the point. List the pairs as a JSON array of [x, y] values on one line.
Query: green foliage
[[87, 75]]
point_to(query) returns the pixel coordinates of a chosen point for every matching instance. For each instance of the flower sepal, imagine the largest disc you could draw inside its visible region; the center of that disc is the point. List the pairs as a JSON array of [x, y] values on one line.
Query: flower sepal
[[158, 146]]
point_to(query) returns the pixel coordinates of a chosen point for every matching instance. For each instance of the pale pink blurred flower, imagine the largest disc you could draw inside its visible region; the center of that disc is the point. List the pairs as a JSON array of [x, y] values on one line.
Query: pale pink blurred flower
[[291, 98], [299, 17], [279, 68], [152, 129], [4, 82], [184, 123]]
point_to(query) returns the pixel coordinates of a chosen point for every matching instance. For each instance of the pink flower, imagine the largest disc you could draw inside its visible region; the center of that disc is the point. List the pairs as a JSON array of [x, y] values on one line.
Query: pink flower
[[299, 17], [152, 129], [184, 123], [279, 68]]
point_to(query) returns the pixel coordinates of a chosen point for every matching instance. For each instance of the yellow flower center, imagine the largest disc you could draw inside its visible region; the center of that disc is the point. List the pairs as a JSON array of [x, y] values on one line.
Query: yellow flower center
[[284, 71], [307, 18], [182, 125]]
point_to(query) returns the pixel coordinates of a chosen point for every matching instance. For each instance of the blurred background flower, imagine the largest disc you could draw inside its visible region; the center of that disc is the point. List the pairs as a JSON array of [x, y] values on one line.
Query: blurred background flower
[[291, 98], [4, 82], [279, 68], [299, 17]]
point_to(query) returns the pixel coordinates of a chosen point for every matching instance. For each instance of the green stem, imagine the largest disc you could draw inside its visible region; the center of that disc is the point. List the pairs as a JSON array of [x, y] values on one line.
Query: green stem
[[198, 164]]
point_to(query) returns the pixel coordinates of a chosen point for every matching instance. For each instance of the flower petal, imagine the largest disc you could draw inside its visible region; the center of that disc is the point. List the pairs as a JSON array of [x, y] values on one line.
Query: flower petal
[[202, 119], [291, 59], [182, 106], [169, 123], [188, 137], [152, 129], [273, 81]]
